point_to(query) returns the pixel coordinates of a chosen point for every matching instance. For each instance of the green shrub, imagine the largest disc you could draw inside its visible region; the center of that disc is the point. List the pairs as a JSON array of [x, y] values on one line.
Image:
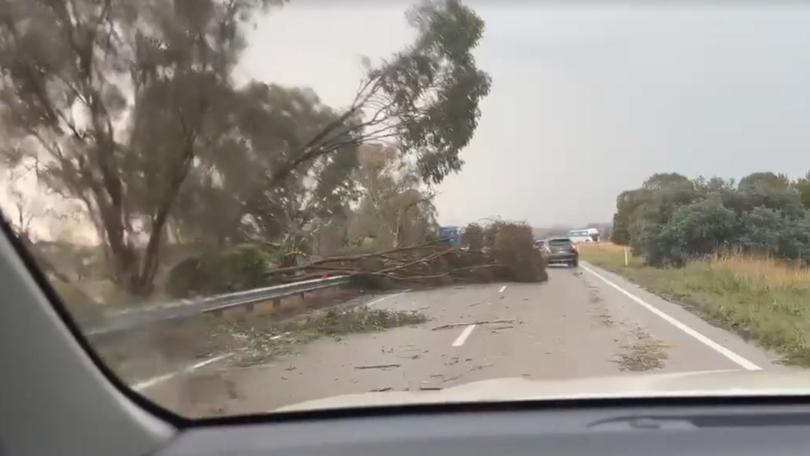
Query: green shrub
[[240, 268], [671, 219], [771, 232], [661, 245]]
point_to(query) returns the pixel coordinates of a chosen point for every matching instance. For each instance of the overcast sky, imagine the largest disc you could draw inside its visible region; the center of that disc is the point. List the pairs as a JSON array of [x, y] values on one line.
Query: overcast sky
[[586, 101]]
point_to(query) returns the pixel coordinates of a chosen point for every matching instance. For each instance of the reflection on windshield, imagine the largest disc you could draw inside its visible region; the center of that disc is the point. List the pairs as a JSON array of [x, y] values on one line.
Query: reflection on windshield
[[251, 204]]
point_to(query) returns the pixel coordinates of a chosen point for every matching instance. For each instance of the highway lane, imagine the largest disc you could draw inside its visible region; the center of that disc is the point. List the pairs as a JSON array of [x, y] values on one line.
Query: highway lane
[[584, 322]]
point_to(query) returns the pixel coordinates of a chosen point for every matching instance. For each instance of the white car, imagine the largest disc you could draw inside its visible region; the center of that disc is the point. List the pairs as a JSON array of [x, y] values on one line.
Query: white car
[[584, 235]]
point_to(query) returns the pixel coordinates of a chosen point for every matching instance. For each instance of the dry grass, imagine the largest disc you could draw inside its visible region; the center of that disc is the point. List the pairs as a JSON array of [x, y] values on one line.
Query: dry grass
[[771, 272], [608, 253], [600, 246], [766, 271]]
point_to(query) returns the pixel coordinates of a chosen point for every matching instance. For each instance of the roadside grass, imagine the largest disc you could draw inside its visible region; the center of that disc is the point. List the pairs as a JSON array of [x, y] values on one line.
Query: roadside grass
[[761, 299]]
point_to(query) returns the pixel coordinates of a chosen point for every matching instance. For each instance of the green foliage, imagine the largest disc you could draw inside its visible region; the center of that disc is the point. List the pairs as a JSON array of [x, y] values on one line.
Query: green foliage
[[626, 205], [704, 226], [661, 244], [150, 80], [239, 268], [671, 219], [230, 197], [436, 86], [770, 232], [165, 142], [335, 323], [396, 210], [803, 187], [770, 191]]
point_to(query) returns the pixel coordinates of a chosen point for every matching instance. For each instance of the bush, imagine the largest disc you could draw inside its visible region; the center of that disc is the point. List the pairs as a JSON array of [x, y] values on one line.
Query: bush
[[661, 245], [240, 268], [513, 247], [671, 219], [704, 226], [771, 232]]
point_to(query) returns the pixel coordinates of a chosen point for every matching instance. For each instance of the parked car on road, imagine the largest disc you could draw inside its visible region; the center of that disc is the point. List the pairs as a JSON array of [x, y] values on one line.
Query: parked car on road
[[562, 251]]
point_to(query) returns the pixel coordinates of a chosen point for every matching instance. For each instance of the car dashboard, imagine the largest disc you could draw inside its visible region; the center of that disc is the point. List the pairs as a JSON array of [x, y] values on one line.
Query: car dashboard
[[603, 430]]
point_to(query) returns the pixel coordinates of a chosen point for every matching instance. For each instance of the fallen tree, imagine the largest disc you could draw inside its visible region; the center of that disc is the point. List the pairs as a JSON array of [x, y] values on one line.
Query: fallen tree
[[510, 256]]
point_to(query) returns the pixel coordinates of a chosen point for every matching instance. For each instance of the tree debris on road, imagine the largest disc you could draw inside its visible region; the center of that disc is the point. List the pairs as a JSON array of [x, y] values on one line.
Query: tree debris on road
[[507, 254], [377, 366], [478, 322]]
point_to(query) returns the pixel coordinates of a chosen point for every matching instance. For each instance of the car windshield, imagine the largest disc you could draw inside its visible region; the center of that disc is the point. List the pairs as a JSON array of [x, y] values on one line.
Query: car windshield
[[251, 206]]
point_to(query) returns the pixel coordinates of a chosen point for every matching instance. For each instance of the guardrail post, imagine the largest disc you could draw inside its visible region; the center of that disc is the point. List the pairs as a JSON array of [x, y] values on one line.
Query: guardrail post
[[276, 303]]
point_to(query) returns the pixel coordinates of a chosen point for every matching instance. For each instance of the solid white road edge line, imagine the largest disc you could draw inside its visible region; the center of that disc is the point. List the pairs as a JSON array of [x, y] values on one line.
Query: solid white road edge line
[[162, 378], [737, 359], [374, 302], [503, 288], [463, 336]]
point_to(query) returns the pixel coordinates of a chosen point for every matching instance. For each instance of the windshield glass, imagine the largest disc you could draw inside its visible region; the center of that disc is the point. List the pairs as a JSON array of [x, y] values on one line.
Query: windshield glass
[[256, 205]]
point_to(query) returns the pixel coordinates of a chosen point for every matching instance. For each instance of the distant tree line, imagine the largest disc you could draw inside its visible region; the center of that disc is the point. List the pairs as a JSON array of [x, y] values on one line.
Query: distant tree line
[[672, 218]]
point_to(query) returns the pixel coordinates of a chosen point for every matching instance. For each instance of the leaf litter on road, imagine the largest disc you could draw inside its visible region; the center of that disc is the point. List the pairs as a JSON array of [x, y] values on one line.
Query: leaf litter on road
[[644, 353], [257, 340]]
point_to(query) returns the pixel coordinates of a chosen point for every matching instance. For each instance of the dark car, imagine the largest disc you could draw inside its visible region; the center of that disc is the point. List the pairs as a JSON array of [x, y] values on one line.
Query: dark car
[[562, 251]]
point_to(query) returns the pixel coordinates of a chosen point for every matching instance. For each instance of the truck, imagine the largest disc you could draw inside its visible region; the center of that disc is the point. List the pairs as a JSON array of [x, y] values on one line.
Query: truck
[[451, 235]]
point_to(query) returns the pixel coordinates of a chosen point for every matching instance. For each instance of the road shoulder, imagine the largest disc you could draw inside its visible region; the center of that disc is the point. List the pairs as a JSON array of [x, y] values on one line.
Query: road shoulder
[[748, 350]]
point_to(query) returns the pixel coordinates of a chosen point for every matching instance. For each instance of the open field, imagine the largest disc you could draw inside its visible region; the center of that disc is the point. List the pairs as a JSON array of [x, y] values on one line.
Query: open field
[[761, 299]]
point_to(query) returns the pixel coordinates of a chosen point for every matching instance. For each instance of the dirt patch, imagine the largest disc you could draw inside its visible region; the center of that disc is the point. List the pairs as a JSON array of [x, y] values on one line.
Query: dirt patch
[[643, 353]]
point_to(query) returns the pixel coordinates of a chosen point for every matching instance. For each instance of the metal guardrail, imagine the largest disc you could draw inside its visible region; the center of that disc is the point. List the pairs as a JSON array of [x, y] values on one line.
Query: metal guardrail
[[188, 308]]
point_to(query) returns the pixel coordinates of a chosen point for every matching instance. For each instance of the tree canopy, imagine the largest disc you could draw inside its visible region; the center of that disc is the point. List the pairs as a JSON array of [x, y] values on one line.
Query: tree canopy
[[131, 109], [672, 218]]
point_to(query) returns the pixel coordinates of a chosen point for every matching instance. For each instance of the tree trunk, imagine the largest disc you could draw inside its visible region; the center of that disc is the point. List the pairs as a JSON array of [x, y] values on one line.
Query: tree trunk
[[397, 241], [142, 284], [123, 254]]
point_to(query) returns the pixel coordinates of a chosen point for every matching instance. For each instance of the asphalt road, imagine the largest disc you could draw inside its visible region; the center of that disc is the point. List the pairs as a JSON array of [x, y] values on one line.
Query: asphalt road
[[584, 322]]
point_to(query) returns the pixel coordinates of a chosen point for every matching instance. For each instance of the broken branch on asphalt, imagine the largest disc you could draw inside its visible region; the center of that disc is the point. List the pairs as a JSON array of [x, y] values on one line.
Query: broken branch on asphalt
[[468, 323], [376, 366]]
